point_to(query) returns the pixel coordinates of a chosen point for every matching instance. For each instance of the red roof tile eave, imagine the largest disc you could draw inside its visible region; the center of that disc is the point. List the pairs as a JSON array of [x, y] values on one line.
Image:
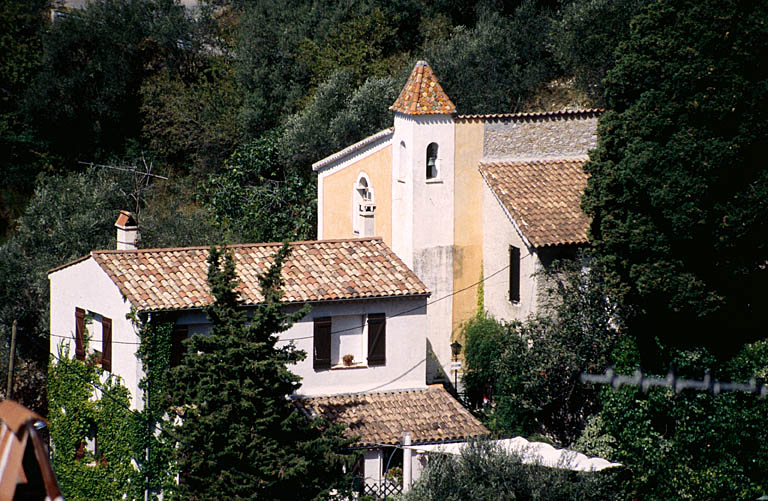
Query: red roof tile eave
[[297, 302], [379, 418], [562, 179], [316, 271], [534, 114], [563, 243]]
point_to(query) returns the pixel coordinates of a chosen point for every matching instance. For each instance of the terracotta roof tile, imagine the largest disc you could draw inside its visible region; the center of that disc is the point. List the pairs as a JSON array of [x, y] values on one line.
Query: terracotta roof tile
[[422, 94], [168, 279], [534, 114], [430, 415], [542, 196]]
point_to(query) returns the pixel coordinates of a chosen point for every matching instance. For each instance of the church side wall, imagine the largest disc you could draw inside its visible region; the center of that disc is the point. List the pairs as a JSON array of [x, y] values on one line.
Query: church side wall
[[337, 191], [499, 234], [468, 222]]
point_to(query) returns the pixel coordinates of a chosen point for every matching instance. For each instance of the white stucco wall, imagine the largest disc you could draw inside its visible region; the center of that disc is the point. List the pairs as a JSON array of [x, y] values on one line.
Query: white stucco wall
[[405, 347], [499, 233], [422, 220], [85, 285]]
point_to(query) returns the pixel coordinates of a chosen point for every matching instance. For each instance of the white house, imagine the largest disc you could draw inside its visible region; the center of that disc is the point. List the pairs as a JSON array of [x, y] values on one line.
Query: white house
[[365, 303], [463, 200]]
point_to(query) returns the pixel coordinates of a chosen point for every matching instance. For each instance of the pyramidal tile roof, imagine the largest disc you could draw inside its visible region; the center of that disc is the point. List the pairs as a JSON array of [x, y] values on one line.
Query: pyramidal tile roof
[[422, 94], [542, 196], [170, 279], [430, 415]]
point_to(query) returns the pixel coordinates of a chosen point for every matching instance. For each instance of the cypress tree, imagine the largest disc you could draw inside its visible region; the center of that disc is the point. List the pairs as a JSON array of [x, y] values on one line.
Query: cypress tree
[[240, 437], [678, 192]]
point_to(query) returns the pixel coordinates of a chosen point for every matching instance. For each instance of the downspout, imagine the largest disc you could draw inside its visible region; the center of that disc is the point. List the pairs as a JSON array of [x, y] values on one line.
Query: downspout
[[407, 466]]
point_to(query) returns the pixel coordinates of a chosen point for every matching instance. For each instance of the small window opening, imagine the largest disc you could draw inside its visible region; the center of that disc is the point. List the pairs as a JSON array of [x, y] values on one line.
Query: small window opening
[[432, 161], [514, 274]]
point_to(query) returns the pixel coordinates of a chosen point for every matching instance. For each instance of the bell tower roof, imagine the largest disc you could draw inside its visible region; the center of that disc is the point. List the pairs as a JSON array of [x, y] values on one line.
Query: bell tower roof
[[422, 94]]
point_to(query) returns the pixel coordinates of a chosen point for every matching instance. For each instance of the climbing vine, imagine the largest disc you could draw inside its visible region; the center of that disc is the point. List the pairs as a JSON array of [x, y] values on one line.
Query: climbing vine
[[156, 442], [93, 439], [103, 450]]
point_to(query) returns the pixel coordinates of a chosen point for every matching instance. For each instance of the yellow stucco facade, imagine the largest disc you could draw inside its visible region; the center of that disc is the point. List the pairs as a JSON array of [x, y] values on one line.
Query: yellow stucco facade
[[468, 221], [338, 202]]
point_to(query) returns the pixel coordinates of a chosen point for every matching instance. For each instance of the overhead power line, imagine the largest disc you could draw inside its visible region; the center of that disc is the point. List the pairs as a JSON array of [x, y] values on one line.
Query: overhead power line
[[671, 381]]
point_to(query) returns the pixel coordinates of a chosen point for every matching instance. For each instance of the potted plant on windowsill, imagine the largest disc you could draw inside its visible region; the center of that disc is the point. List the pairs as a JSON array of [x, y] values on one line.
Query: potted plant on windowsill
[[348, 359]]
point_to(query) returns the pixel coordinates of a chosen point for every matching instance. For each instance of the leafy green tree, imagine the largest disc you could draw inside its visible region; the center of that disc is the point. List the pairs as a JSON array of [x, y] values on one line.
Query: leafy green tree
[[67, 217], [85, 99], [585, 36], [678, 190], [287, 49], [241, 437], [691, 445], [190, 121], [255, 199], [21, 26], [497, 64], [338, 115], [485, 472], [529, 371]]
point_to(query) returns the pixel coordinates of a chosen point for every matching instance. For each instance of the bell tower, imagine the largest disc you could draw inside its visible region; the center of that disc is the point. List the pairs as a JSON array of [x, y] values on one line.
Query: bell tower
[[422, 198]]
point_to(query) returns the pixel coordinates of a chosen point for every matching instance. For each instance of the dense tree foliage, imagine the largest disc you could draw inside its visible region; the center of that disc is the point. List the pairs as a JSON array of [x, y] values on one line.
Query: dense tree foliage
[[678, 191], [256, 199], [524, 377], [509, 51], [67, 217], [85, 99], [484, 472], [585, 37], [241, 437], [691, 445]]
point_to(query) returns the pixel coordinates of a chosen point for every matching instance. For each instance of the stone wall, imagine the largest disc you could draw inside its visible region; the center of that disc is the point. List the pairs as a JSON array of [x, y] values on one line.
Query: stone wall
[[543, 136]]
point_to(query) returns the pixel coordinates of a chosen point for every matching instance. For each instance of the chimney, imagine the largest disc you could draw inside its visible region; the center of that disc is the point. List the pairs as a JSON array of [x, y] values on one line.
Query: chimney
[[127, 231]]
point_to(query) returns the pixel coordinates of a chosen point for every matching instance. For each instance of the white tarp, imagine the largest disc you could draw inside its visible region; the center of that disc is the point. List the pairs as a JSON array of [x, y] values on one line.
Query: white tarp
[[531, 453]]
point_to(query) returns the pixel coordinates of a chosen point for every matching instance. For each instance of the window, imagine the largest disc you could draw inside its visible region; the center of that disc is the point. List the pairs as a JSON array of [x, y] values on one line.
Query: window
[[79, 334], [106, 344], [514, 274], [432, 161], [345, 336], [321, 351], [179, 334], [377, 339], [84, 324]]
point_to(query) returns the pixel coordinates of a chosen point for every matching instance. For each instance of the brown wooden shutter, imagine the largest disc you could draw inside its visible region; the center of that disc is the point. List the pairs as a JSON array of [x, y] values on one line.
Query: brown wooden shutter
[[321, 358], [106, 344], [179, 334], [80, 451], [514, 274], [79, 333], [377, 339]]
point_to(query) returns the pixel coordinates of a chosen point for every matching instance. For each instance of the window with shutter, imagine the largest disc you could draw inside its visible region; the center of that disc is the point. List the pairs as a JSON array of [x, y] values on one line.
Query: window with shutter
[[514, 274], [321, 352], [106, 344], [79, 333], [179, 334], [377, 339]]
